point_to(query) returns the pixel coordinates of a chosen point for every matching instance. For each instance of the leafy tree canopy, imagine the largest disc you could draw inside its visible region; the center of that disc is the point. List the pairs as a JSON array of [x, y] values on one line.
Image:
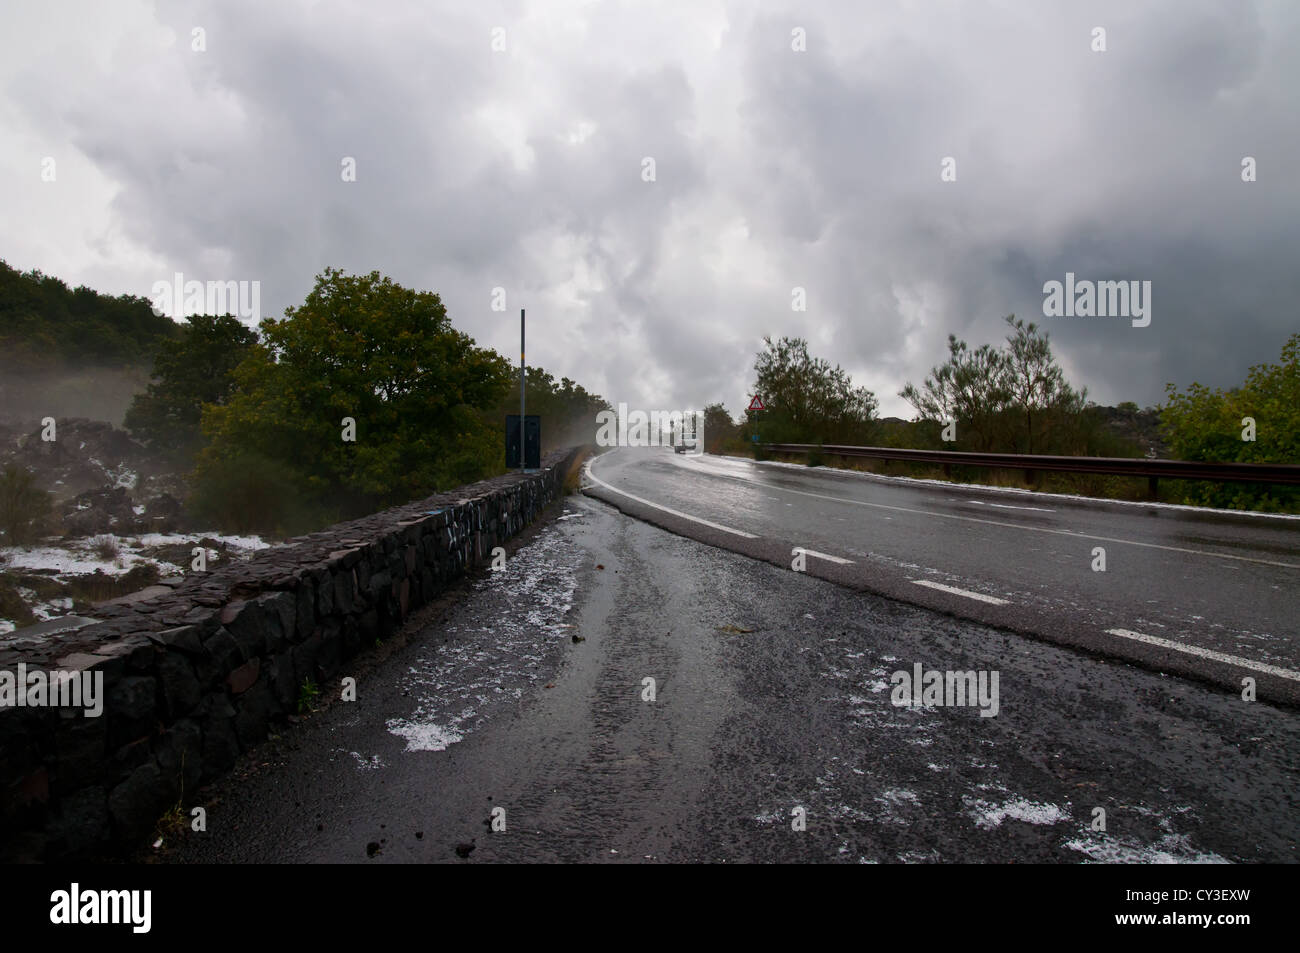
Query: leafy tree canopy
[[190, 371], [806, 399], [1014, 398], [365, 348], [44, 323]]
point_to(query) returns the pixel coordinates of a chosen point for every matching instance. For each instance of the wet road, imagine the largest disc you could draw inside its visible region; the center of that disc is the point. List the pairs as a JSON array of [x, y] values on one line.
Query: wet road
[[772, 711], [1208, 595]]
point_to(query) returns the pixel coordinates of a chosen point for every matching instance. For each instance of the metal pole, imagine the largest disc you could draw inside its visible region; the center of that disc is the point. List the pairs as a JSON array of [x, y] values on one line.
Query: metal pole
[[521, 428]]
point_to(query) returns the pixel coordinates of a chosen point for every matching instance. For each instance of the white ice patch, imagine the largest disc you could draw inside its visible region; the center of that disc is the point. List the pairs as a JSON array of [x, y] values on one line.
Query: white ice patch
[[424, 736], [457, 683], [1170, 849], [171, 539], [988, 816], [368, 764], [61, 560]]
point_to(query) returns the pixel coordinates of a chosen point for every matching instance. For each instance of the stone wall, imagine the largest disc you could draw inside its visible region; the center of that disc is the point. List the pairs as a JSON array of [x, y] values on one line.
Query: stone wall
[[197, 668]]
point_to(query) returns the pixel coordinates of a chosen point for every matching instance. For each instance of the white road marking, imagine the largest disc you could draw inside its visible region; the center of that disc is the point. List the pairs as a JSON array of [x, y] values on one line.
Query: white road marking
[[994, 600], [989, 522], [834, 559], [1008, 506], [666, 509], [1207, 653]]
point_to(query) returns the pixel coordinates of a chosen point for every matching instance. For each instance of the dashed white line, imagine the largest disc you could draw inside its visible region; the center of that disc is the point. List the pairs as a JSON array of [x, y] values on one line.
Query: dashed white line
[[834, 559], [1207, 653], [666, 509], [993, 600]]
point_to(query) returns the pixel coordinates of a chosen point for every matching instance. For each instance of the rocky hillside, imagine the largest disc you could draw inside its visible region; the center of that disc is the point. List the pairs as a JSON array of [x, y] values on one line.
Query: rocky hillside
[[116, 526], [102, 481]]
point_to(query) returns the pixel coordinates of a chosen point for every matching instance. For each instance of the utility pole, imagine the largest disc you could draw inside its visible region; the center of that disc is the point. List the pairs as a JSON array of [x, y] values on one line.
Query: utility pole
[[521, 417]]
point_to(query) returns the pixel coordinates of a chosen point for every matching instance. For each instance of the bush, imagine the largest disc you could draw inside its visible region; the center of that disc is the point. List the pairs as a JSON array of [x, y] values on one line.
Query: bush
[[23, 505], [249, 493], [1201, 423], [13, 606]]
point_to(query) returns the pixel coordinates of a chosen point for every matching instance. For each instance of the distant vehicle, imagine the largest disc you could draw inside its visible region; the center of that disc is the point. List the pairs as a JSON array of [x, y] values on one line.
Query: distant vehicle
[[687, 436]]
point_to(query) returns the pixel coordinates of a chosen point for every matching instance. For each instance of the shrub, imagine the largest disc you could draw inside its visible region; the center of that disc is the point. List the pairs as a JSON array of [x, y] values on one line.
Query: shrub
[[12, 604], [249, 493], [105, 547], [23, 505]]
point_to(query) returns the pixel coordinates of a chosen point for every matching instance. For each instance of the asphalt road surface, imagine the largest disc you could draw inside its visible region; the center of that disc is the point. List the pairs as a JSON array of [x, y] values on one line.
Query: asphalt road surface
[[773, 733], [1209, 595]]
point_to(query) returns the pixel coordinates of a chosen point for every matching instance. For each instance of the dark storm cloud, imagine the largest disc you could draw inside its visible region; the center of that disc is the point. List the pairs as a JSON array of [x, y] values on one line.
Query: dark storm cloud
[[775, 169]]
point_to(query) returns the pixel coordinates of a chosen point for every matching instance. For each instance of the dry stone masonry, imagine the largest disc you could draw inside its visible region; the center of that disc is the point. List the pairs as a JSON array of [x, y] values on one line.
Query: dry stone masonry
[[197, 668]]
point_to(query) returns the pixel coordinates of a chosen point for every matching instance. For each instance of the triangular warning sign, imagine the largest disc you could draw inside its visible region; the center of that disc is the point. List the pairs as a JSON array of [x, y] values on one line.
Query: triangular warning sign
[[755, 404]]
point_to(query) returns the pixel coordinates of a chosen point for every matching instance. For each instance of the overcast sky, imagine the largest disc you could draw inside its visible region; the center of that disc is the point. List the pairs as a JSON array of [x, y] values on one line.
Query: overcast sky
[[775, 168]]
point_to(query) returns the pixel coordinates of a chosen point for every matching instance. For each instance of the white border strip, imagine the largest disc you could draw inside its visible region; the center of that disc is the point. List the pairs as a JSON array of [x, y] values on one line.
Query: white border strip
[[993, 600], [1207, 653], [834, 559], [657, 506]]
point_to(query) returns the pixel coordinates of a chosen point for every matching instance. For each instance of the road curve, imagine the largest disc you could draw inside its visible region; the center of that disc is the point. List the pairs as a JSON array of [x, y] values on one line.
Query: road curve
[[772, 734], [1206, 595]]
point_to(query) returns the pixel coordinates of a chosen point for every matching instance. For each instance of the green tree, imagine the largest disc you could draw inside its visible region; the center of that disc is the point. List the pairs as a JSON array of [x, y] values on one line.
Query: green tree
[[719, 428], [1012, 399], [189, 372], [45, 324], [365, 348], [1035, 387], [806, 399], [970, 389], [1201, 423]]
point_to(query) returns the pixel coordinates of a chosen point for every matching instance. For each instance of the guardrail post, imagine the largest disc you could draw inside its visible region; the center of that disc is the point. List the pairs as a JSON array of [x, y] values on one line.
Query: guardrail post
[[1153, 492]]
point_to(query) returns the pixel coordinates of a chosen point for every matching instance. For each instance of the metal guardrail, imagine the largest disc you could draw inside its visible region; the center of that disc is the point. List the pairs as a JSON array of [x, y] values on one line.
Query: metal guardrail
[[1153, 470]]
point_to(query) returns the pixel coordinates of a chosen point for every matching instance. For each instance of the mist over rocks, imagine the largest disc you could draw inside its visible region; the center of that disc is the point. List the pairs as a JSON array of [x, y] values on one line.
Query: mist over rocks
[[101, 479]]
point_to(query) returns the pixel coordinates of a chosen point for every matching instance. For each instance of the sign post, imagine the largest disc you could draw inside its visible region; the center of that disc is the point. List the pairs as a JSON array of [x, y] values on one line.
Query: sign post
[[521, 417]]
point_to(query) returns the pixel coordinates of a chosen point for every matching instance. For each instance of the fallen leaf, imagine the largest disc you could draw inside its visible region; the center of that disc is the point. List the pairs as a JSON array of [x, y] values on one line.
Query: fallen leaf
[[733, 629]]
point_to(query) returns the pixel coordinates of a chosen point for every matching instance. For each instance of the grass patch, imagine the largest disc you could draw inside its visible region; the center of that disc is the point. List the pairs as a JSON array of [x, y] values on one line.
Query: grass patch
[[308, 696], [105, 547]]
